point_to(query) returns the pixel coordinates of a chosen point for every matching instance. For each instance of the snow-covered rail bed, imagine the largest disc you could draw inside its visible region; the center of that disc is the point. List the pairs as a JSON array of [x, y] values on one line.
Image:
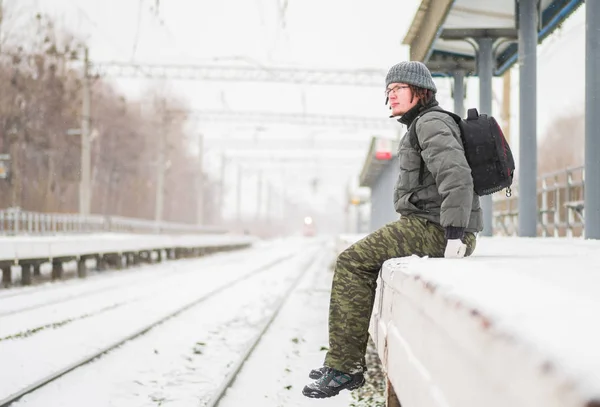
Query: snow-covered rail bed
[[209, 312], [76, 296]]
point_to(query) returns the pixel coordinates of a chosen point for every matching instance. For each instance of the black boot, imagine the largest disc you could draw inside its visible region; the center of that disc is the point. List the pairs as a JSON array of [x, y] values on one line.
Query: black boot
[[332, 382]]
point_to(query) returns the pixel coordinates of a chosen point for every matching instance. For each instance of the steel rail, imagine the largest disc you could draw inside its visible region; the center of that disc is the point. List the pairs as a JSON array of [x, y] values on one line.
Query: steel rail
[[87, 359], [230, 378]]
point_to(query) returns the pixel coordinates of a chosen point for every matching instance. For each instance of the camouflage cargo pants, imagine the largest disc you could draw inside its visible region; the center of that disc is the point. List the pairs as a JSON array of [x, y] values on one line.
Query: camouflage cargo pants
[[355, 280]]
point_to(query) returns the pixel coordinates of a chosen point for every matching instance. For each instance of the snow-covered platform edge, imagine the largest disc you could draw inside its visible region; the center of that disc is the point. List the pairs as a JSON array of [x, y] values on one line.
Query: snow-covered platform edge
[[19, 249], [514, 325]]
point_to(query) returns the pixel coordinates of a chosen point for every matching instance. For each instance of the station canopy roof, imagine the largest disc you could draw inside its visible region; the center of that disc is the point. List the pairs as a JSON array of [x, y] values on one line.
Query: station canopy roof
[[442, 31]]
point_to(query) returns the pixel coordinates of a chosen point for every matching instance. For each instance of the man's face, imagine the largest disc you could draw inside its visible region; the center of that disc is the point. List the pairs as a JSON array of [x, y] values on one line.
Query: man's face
[[400, 98]]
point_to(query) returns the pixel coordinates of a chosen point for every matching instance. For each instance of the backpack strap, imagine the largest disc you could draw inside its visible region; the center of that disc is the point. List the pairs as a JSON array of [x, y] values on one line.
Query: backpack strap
[[414, 140]]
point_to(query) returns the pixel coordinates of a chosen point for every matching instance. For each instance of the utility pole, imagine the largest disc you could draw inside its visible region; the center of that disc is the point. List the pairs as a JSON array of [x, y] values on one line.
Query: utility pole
[[259, 187], [284, 201], [269, 209], [160, 170], [222, 186], [84, 182], [15, 174], [1, 18], [238, 195], [347, 209], [200, 193]]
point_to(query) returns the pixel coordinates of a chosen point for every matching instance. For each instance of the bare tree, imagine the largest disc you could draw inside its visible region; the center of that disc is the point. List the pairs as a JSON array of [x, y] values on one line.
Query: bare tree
[[563, 145], [40, 103]]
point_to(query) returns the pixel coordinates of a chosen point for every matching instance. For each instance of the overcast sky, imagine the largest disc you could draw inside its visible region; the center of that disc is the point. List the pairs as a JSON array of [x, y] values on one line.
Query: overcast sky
[[292, 33]]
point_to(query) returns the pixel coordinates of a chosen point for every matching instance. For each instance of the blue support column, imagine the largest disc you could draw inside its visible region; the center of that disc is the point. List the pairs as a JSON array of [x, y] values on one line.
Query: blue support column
[[382, 202], [527, 168], [592, 120], [485, 70], [458, 92]]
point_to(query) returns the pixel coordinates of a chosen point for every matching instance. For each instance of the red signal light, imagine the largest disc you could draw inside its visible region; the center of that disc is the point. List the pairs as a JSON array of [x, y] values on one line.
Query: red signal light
[[383, 149]]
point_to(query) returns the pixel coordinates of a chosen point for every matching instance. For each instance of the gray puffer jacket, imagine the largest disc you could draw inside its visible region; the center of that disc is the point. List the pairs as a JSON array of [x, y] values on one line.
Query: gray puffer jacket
[[446, 195]]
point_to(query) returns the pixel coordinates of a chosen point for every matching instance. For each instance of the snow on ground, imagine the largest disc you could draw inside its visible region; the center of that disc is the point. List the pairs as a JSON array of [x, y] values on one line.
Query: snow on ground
[[57, 303], [545, 289], [26, 359], [181, 362]]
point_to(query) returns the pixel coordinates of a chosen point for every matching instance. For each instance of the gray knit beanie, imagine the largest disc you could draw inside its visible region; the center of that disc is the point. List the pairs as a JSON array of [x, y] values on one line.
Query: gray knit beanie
[[412, 73]]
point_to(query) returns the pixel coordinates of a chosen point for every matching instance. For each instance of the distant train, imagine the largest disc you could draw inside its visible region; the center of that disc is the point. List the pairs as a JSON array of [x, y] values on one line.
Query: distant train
[[309, 229]]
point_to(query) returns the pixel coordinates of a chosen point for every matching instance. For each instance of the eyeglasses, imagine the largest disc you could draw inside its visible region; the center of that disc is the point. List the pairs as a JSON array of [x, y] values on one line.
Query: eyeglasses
[[395, 89]]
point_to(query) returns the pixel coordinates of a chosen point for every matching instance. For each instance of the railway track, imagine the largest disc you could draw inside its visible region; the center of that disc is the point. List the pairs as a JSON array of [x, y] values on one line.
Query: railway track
[[7, 401], [26, 321], [120, 282]]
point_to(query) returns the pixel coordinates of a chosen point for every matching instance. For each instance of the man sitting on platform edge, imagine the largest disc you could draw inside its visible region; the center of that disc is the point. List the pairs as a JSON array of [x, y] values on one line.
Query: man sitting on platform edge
[[440, 216]]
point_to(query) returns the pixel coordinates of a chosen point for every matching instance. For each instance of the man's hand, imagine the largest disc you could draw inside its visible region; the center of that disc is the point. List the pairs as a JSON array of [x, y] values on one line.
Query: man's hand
[[455, 249]]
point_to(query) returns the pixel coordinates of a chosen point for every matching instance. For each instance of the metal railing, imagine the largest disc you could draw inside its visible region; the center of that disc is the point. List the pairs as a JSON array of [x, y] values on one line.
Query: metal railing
[[14, 221], [560, 202]]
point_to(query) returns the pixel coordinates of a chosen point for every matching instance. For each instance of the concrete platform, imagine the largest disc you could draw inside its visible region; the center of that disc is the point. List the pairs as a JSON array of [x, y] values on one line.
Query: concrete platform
[[517, 324]]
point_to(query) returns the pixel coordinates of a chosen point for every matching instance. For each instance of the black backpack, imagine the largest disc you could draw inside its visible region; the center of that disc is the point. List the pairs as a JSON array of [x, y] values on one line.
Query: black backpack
[[488, 153]]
